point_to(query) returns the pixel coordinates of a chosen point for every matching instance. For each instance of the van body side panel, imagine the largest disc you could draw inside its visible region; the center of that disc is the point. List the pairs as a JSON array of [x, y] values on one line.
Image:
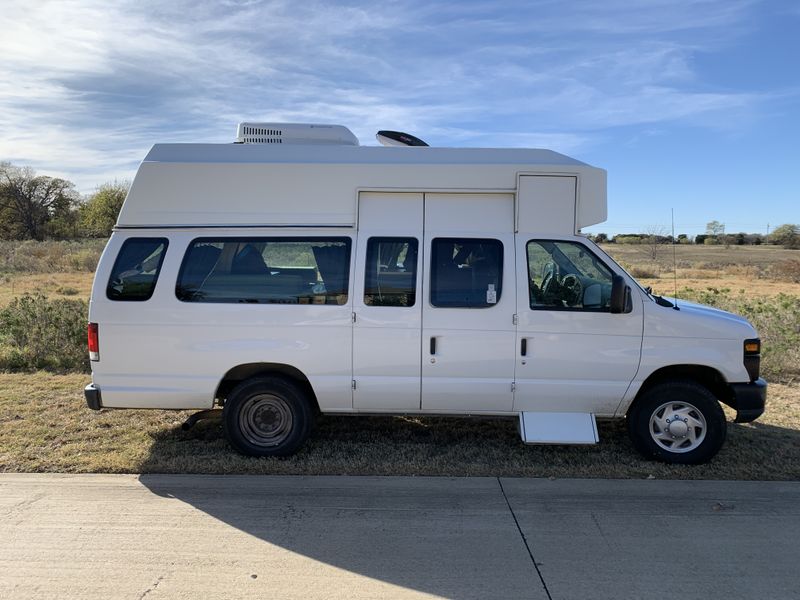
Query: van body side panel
[[165, 353]]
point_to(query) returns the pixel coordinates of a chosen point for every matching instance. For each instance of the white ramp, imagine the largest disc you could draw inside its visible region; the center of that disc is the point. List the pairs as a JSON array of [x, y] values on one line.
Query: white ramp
[[558, 428]]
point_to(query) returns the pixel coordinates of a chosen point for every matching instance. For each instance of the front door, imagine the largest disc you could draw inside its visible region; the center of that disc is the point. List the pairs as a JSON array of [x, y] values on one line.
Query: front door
[[468, 306], [573, 354]]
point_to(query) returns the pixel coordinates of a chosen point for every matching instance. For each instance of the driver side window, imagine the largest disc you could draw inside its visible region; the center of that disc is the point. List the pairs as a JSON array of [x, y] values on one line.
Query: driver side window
[[567, 276]]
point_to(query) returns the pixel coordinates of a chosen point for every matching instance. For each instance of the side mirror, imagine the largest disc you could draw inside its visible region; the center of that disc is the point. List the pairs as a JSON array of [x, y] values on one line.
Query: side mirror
[[620, 295]]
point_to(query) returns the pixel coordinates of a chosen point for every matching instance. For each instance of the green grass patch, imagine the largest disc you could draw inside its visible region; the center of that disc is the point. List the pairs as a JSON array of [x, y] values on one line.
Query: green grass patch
[[39, 333], [777, 320]]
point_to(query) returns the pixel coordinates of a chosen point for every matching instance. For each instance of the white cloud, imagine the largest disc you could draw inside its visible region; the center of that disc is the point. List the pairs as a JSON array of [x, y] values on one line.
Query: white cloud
[[86, 87]]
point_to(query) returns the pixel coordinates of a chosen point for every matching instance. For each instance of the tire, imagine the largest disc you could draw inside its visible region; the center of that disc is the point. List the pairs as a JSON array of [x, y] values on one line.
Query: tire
[[267, 416], [688, 407]]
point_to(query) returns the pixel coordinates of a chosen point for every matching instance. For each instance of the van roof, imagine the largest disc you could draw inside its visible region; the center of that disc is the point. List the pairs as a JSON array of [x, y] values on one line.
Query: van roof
[[211, 185], [339, 154]]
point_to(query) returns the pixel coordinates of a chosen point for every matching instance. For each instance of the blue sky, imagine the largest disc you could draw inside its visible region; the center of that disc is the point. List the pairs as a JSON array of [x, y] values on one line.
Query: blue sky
[[689, 104]]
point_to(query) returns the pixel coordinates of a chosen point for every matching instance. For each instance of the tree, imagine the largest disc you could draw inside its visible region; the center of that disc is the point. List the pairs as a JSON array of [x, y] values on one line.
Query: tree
[[787, 235], [601, 238], [715, 228], [30, 204], [99, 213], [654, 238]]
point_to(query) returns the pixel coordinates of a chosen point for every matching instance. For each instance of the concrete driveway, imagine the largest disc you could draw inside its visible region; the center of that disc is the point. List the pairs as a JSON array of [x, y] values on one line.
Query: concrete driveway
[[196, 536]]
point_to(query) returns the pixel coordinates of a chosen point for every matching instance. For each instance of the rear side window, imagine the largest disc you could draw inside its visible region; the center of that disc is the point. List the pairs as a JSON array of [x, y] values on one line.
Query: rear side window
[[136, 269], [466, 273], [266, 271]]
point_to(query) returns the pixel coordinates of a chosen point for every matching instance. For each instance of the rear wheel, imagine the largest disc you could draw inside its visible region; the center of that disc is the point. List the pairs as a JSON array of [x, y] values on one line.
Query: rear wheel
[[267, 416], [677, 422]]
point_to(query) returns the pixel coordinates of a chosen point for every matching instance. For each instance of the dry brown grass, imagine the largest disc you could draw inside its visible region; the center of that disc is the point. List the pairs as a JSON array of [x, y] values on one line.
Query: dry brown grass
[[46, 427], [757, 270], [53, 285]]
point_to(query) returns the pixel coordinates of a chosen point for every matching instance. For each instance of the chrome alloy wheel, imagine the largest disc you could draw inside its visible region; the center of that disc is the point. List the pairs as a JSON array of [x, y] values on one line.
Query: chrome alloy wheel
[[677, 427], [265, 420]]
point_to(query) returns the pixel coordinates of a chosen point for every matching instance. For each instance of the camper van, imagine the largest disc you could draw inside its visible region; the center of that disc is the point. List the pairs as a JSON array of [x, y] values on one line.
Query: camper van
[[296, 272]]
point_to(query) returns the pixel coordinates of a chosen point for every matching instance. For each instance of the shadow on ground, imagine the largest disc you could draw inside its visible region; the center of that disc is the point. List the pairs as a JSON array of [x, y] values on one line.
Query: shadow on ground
[[455, 538]]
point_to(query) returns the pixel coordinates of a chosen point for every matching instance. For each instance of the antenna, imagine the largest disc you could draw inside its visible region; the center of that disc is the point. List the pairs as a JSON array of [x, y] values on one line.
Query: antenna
[[674, 259]]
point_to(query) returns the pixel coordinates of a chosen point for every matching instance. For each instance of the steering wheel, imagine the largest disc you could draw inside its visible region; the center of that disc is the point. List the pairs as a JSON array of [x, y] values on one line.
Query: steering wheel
[[550, 282], [572, 289]]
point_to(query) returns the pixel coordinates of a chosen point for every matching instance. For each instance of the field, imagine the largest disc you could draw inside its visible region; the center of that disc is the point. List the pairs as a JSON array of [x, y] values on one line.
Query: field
[[753, 270], [45, 426]]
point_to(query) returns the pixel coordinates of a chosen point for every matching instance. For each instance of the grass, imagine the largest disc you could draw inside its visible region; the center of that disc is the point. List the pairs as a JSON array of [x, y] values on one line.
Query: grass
[[46, 427]]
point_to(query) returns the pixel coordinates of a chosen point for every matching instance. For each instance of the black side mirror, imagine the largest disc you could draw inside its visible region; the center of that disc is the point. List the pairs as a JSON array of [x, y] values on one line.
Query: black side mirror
[[620, 295]]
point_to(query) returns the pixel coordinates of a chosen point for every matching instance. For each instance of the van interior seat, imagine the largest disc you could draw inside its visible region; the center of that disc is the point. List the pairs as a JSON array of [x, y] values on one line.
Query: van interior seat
[[199, 263], [249, 261]]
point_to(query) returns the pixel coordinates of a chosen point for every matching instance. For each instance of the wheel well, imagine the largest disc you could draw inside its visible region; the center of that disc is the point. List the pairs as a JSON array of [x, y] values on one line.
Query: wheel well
[[247, 371], [705, 376]]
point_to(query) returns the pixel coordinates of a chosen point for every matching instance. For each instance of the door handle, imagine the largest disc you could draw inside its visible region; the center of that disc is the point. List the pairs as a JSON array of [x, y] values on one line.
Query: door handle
[[433, 345], [523, 349]]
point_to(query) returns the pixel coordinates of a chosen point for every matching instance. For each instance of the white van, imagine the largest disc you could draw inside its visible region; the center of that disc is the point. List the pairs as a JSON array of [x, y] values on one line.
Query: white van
[[297, 272]]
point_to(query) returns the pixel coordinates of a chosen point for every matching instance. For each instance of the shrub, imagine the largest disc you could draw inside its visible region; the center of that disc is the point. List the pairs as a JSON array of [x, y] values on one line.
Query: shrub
[[50, 257], [787, 270], [37, 333], [67, 291], [645, 271], [777, 320]]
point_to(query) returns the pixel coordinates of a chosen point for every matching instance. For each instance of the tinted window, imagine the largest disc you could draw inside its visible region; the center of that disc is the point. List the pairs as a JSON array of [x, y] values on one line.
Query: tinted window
[[567, 276], [466, 273], [266, 271], [135, 272], [391, 272]]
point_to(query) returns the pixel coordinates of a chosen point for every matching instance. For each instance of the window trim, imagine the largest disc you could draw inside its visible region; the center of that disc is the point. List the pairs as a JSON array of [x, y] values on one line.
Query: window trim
[[389, 238], [434, 268], [562, 308], [348, 241], [161, 240]]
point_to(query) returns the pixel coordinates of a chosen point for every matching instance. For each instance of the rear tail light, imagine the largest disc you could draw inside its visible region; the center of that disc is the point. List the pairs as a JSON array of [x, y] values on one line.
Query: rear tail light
[[94, 341]]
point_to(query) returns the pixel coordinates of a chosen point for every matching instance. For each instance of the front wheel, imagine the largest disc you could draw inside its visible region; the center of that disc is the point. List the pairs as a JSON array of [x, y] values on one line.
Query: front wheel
[[267, 416], [677, 422]]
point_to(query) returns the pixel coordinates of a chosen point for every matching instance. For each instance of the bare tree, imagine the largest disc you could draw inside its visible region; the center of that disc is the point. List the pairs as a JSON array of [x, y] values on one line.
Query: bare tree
[[654, 238]]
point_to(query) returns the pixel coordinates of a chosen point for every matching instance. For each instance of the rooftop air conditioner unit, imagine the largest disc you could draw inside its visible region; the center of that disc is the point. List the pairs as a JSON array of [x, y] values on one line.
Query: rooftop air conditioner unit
[[294, 133]]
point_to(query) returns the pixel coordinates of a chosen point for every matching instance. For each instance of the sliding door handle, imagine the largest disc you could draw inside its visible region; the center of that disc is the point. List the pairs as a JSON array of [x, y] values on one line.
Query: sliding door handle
[[523, 347], [433, 346]]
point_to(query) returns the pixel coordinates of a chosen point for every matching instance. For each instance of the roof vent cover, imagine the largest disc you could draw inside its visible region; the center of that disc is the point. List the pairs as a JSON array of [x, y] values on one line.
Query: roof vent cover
[[294, 133]]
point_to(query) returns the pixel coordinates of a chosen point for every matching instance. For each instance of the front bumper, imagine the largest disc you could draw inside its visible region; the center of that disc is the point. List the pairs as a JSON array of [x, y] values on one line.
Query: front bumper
[[93, 399], [749, 400]]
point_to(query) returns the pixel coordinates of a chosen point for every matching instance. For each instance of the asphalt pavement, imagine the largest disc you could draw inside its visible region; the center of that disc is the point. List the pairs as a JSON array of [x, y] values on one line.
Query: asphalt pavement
[[200, 536]]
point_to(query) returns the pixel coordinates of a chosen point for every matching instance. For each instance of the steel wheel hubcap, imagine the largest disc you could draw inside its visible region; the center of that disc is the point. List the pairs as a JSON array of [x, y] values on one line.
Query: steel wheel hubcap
[[265, 420], [677, 427]]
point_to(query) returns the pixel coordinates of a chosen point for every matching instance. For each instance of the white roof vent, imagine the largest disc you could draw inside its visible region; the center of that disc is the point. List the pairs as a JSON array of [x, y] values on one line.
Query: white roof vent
[[295, 133]]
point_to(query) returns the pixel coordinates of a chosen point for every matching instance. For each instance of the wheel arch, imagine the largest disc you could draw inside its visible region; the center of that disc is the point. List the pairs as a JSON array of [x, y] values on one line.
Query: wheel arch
[[246, 371], [704, 375]]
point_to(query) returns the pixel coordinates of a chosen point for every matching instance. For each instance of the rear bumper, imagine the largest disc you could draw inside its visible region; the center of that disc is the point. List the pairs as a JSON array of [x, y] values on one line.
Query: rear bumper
[[93, 399], [749, 400]]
